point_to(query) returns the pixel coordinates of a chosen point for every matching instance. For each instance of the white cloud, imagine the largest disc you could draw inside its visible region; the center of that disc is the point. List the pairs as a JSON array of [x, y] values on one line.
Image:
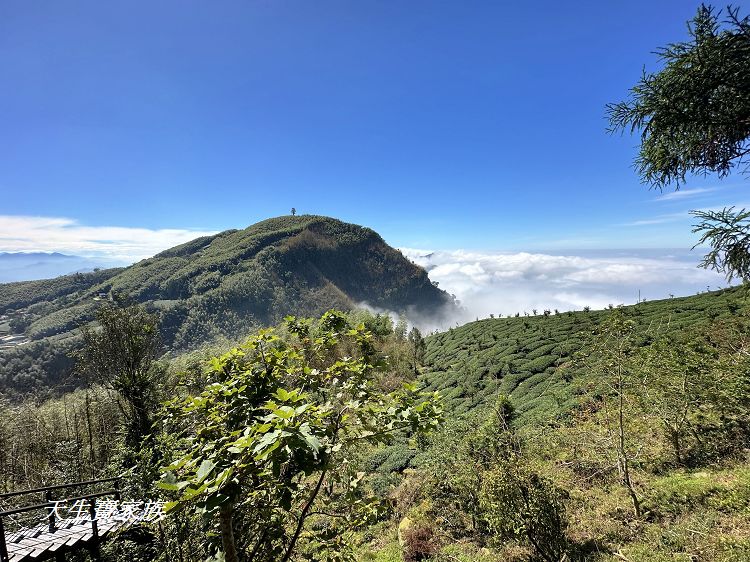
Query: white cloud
[[506, 283], [57, 234], [484, 282], [660, 219], [685, 193]]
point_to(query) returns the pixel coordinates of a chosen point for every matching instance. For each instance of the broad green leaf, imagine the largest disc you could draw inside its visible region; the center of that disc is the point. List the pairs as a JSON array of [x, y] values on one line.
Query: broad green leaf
[[204, 470], [312, 441]]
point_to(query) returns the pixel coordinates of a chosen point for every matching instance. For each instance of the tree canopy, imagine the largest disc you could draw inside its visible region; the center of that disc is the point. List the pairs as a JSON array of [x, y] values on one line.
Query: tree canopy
[[271, 439], [119, 352], [694, 118], [694, 114]]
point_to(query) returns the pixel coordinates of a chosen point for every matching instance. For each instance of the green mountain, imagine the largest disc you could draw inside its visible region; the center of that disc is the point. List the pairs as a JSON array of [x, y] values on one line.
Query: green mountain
[[218, 286]]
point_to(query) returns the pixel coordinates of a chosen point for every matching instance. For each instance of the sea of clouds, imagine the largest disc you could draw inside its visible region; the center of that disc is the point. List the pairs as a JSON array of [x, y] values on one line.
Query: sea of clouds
[[508, 283], [484, 282]]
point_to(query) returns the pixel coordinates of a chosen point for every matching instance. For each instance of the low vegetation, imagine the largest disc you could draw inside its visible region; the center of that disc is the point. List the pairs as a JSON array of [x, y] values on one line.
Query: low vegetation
[[632, 444], [531, 358]]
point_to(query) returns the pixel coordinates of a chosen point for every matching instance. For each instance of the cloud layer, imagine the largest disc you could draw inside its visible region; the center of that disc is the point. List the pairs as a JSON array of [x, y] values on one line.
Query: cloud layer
[[506, 283], [54, 234], [485, 283]]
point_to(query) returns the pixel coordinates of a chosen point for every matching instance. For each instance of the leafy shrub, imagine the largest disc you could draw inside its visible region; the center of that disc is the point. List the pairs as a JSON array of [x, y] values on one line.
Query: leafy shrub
[[398, 459], [418, 543], [520, 504]]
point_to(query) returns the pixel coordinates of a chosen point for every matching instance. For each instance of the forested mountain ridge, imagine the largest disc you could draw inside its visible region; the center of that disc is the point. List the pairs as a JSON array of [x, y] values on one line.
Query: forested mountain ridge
[[221, 286]]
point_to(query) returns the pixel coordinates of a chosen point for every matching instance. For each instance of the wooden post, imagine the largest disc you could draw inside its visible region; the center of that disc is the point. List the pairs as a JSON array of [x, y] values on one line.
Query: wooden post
[[94, 552], [94, 524], [3, 547], [94, 547]]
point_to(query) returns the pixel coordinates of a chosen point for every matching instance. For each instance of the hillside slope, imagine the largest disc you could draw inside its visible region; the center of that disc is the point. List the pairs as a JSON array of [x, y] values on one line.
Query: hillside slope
[[687, 493], [529, 358], [224, 285]]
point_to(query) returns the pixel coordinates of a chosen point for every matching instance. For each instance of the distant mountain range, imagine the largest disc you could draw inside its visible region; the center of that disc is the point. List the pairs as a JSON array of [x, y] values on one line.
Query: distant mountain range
[[28, 266], [223, 286]]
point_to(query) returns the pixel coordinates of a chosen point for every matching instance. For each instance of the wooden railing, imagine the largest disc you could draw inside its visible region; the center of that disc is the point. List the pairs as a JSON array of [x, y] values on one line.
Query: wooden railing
[[50, 502]]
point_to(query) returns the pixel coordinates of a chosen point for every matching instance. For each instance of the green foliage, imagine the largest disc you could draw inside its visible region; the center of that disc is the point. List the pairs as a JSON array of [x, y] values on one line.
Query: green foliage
[[19, 295], [534, 364], [694, 118], [243, 279], [394, 458], [460, 483], [677, 386], [269, 440], [459, 478], [519, 503], [227, 285], [64, 439], [379, 325], [456, 464], [416, 342], [727, 232], [609, 358], [696, 384], [390, 553], [480, 486], [694, 114], [119, 352], [690, 490], [35, 366]]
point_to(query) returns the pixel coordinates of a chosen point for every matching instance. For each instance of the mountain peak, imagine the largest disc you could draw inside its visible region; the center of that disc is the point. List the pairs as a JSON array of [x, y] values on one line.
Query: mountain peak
[[236, 280]]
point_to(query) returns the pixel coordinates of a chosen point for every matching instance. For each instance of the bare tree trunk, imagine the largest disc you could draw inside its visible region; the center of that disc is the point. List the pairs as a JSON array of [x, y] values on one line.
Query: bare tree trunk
[[89, 430], [623, 460], [303, 515], [79, 447], [311, 500], [674, 437], [227, 534]]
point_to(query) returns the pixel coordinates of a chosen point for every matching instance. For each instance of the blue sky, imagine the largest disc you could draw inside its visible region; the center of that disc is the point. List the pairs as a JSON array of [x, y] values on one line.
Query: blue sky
[[443, 125]]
